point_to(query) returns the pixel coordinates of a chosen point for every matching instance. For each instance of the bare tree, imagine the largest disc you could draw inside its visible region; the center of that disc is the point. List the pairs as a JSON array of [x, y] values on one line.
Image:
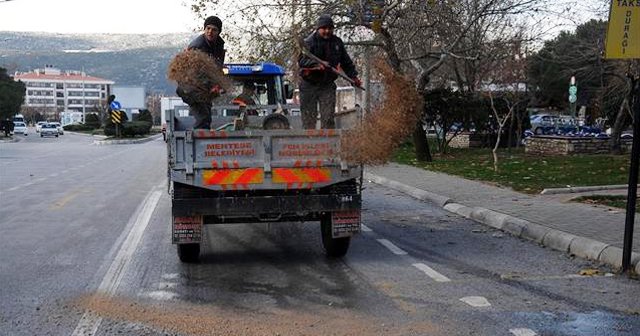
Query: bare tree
[[417, 37]]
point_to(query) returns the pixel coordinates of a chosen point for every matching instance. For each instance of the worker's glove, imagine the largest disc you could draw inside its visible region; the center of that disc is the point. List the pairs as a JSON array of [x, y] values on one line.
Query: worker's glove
[[357, 82]]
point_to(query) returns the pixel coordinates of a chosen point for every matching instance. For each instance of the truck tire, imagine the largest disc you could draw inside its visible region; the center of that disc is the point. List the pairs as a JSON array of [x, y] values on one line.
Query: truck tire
[[189, 253], [334, 247]]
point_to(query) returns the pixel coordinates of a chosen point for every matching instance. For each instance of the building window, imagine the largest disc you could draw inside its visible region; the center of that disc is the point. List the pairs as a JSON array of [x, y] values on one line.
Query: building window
[[60, 94], [60, 102], [74, 85], [59, 86]]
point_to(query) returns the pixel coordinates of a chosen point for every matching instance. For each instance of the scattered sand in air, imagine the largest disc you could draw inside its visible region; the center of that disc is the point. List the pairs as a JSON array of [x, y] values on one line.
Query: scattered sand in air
[[190, 319], [388, 125]]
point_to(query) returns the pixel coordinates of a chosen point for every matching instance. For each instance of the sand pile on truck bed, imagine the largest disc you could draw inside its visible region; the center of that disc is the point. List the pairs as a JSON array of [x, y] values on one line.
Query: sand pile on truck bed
[[195, 72], [388, 125]]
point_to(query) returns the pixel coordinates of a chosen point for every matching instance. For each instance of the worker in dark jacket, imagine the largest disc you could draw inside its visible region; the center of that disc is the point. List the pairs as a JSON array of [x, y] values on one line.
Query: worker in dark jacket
[[317, 87], [211, 43]]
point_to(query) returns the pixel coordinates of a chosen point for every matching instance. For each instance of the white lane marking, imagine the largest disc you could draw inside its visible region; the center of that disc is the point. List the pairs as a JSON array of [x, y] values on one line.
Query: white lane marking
[[28, 184], [365, 228], [165, 284], [89, 323], [161, 295], [53, 175], [39, 180], [394, 249], [523, 332], [433, 274], [476, 301], [171, 276], [14, 188]]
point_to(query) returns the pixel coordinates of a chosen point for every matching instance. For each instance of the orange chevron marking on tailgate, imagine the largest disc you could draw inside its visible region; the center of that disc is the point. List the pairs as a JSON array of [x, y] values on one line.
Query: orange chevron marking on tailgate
[[301, 175], [233, 177]]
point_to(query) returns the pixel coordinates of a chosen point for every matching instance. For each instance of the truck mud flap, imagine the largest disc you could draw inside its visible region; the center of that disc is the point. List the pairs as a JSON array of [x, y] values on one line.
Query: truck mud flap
[[345, 223], [187, 229]]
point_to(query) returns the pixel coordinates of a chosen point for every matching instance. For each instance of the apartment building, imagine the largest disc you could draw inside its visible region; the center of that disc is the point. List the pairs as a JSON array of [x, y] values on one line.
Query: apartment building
[[51, 90]]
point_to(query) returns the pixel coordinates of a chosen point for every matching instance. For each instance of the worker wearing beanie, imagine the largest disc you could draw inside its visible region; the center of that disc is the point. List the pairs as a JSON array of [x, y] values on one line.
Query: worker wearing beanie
[[317, 87], [211, 43]]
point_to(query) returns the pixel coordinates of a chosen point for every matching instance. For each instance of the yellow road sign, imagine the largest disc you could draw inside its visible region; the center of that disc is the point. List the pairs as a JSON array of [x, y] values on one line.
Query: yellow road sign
[[116, 117], [623, 33]]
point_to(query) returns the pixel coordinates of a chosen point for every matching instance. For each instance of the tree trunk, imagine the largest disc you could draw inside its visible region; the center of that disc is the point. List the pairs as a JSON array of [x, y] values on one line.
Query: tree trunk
[[510, 135], [519, 127], [616, 130], [421, 144]]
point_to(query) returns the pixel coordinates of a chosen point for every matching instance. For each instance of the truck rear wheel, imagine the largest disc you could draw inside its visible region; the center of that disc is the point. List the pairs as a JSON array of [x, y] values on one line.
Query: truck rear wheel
[[334, 247], [189, 253]]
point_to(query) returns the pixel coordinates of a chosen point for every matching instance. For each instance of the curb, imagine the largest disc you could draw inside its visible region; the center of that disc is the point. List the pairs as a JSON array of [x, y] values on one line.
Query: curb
[[88, 135], [582, 247], [441, 201], [573, 190], [9, 141], [125, 141]]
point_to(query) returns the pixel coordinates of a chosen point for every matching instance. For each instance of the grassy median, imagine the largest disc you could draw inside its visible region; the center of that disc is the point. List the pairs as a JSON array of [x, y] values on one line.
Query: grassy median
[[529, 174]]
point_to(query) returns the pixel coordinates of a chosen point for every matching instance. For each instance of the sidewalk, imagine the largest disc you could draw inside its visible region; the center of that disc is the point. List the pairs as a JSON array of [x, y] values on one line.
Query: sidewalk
[[586, 231]]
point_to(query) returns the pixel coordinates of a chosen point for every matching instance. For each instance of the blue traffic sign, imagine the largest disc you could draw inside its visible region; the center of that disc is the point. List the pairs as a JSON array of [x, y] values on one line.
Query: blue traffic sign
[[115, 105]]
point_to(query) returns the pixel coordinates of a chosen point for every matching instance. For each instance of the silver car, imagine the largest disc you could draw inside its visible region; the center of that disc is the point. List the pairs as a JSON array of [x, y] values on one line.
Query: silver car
[[20, 128], [58, 126], [48, 130]]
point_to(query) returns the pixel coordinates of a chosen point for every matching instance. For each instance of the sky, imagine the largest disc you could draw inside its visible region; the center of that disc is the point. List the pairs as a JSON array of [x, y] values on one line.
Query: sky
[[97, 16]]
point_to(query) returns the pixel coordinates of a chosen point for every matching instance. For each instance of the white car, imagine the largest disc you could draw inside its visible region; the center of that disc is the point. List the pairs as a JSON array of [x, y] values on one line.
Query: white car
[[20, 128], [48, 130], [39, 125], [58, 126]]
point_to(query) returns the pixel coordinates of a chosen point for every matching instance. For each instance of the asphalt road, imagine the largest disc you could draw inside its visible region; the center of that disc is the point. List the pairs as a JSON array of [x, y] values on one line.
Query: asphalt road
[[78, 219]]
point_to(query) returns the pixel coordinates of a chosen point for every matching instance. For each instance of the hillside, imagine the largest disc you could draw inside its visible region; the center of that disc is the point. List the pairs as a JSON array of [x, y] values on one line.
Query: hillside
[[125, 59]]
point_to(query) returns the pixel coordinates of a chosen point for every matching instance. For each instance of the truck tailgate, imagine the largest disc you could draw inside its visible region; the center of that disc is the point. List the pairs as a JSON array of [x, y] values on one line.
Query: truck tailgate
[[259, 160]]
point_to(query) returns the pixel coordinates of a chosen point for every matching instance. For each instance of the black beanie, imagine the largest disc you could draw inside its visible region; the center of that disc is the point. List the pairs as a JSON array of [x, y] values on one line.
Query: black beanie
[[213, 20], [324, 21]]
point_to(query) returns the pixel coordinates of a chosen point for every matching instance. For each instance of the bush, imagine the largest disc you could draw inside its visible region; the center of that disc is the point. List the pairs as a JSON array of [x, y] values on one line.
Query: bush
[[134, 128], [78, 127], [144, 115], [92, 120]]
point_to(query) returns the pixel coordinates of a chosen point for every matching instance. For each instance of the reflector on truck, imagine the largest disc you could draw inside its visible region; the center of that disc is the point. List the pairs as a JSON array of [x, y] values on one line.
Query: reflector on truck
[[233, 176], [301, 175]]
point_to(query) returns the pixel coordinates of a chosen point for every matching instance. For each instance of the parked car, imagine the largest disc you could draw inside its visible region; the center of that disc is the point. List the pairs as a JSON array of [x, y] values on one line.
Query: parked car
[[39, 125], [58, 126], [20, 128], [543, 124], [48, 130]]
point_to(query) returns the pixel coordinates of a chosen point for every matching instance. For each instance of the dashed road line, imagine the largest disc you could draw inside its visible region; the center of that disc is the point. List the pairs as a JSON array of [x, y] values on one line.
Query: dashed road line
[[53, 175], [433, 274], [365, 228], [522, 332], [476, 301], [389, 245], [14, 188]]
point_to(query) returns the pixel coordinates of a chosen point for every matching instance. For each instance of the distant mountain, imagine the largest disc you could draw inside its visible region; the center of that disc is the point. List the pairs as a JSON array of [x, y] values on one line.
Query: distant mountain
[[126, 59]]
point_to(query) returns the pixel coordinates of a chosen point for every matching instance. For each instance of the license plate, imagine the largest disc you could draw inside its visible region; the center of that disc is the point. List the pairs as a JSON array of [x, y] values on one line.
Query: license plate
[[187, 229], [345, 223]]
